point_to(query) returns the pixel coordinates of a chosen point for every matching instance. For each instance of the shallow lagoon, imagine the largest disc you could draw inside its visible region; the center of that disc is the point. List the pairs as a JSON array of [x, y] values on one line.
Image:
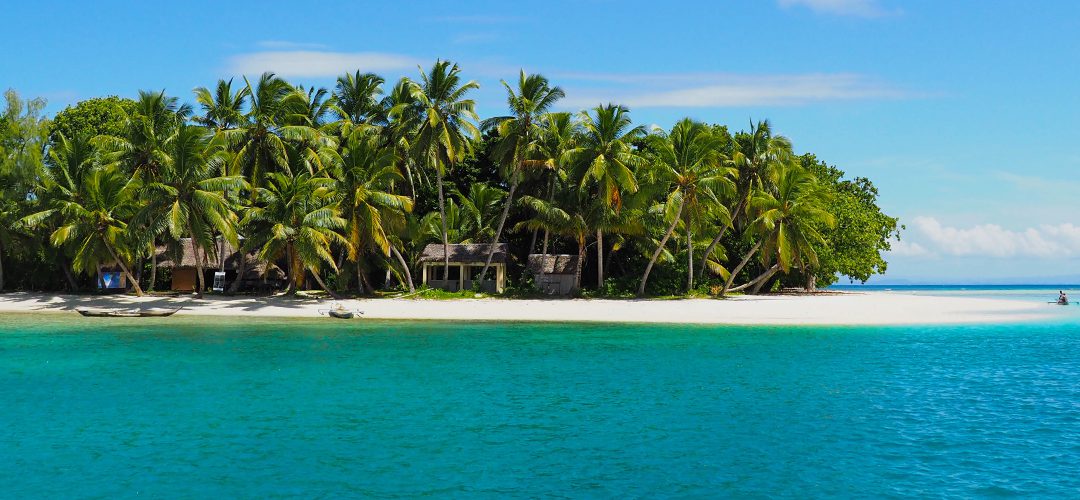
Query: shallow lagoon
[[200, 407]]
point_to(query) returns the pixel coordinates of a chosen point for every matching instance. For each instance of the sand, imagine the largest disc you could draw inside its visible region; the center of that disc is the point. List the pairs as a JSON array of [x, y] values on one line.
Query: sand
[[865, 308]]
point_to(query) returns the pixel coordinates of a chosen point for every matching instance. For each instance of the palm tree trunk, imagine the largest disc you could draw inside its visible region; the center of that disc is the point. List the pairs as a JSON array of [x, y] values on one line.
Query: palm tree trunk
[[367, 283], [766, 276], [543, 262], [716, 241], [319, 280], [360, 279], [660, 248], [599, 259], [498, 231], [198, 264], [404, 267], [64, 266], [580, 261], [442, 218], [241, 270], [131, 279], [153, 268], [689, 257], [759, 279], [735, 272], [811, 282], [532, 242], [294, 280]]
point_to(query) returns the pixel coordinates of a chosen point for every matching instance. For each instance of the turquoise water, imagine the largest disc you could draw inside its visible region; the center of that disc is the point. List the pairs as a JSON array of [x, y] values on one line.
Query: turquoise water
[[185, 408]]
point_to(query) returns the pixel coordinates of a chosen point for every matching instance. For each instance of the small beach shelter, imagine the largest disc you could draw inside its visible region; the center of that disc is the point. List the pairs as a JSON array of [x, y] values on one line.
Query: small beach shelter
[[560, 272], [466, 262]]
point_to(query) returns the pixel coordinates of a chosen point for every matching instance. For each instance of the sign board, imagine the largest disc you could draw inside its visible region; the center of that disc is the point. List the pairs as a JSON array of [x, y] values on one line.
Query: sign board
[[112, 280], [219, 281]]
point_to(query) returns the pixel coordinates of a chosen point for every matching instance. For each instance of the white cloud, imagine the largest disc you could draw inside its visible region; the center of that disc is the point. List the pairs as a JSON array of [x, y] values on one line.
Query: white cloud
[[857, 8], [726, 90], [992, 240], [907, 248], [287, 45], [314, 63]]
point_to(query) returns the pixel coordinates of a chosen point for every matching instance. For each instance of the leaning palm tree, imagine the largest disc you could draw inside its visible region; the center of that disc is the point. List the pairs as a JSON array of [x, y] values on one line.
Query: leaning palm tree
[[189, 197], [518, 146], [605, 161], [786, 224], [757, 157], [687, 162], [446, 127], [93, 220], [297, 218], [364, 181]]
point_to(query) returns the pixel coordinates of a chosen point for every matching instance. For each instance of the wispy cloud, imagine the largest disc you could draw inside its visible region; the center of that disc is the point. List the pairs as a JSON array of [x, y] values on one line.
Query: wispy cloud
[[856, 8], [725, 90], [316, 63], [287, 45], [929, 237]]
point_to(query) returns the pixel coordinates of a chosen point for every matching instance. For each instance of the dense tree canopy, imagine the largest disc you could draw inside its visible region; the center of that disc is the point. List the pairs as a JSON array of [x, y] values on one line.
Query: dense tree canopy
[[333, 187]]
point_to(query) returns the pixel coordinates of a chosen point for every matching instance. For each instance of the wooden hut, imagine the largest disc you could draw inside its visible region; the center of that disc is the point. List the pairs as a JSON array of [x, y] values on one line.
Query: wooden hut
[[466, 262], [560, 272], [223, 257]]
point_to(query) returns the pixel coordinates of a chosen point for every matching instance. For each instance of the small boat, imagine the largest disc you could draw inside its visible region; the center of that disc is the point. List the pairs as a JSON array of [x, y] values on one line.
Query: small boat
[[340, 312], [127, 313]]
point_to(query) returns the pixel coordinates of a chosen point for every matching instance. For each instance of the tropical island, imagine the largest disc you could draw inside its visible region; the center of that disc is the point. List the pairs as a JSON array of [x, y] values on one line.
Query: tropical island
[[266, 186]]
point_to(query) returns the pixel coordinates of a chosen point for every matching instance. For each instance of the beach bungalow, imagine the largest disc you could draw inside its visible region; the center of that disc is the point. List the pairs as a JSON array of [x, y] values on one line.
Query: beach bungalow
[[466, 262], [560, 272], [223, 259]]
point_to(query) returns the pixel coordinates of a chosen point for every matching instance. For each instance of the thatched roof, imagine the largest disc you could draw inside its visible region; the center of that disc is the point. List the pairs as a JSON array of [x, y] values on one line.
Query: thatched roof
[[554, 264], [210, 258], [464, 253]]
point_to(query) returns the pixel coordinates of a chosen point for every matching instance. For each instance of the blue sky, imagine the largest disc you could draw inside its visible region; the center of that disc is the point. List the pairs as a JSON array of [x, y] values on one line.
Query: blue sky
[[963, 113]]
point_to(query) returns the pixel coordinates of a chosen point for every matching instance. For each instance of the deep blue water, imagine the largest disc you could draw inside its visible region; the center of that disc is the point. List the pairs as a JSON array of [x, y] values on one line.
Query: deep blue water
[[185, 408]]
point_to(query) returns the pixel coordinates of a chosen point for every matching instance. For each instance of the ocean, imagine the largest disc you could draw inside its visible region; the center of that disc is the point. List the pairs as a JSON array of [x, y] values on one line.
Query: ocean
[[188, 407]]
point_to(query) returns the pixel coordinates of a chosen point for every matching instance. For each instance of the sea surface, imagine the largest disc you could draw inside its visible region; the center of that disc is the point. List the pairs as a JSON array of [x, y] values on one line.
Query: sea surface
[[208, 408]]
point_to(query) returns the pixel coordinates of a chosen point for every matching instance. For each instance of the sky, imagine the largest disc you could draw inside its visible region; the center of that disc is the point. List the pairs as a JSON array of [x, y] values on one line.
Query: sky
[[963, 113]]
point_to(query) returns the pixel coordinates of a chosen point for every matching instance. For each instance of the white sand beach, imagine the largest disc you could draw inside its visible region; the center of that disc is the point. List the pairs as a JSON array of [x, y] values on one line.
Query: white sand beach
[[868, 308]]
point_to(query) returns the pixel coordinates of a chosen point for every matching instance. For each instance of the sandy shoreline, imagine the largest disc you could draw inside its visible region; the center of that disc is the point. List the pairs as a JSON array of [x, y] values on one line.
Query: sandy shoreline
[[866, 308]]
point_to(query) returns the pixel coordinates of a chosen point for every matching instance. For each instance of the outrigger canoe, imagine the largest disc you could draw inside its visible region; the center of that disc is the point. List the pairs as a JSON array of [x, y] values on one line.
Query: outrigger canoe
[[341, 313], [128, 313]]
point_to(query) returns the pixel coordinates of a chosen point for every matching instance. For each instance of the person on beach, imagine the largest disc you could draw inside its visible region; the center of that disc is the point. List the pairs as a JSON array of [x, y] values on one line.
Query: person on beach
[[1062, 298]]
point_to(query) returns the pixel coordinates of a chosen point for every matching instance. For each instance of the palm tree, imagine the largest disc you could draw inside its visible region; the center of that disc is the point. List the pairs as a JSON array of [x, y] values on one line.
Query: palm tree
[[549, 217], [189, 197], [93, 220], [258, 145], [606, 163], [297, 218], [758, 154], [365, 180], [519, 138], [140, 150], [688, 162], [786, 224], [446, 129], [356, 99], [222, 109]]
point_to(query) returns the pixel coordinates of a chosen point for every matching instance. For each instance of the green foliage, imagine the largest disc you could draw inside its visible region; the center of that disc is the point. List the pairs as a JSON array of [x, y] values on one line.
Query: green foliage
[[93, 117], [853, 247]]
